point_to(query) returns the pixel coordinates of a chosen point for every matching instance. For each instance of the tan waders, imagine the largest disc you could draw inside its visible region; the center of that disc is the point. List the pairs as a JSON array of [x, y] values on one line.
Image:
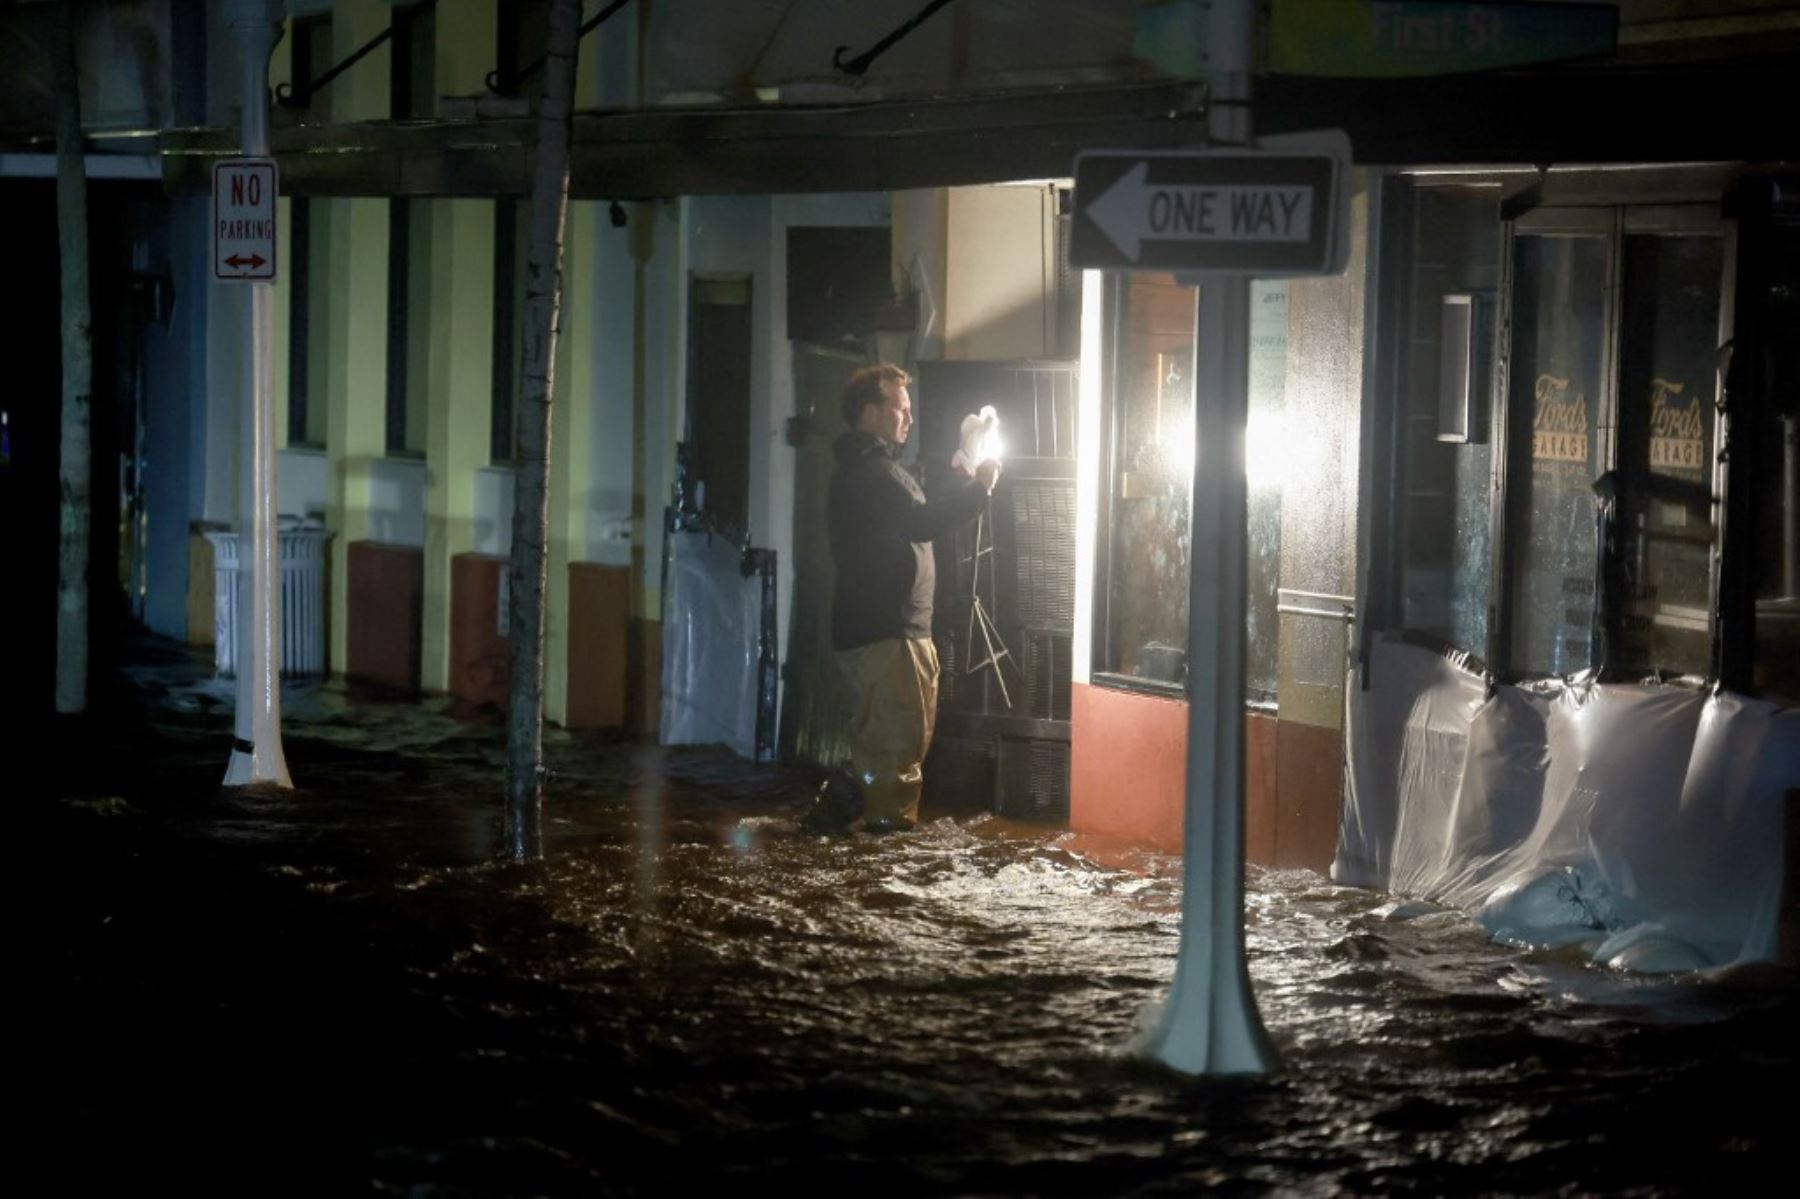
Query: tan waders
[[896, 685]]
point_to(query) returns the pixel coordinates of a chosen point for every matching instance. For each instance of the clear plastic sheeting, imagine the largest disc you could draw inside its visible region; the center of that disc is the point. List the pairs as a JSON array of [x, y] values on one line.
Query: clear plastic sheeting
[[1643, 822], [712, 635]]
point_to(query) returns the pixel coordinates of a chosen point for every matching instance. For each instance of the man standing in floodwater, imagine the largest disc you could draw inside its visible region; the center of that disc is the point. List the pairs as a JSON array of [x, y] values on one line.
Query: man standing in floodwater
[[882, 528]]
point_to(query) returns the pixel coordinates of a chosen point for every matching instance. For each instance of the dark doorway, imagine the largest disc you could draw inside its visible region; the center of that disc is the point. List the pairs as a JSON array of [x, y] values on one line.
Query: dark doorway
[[717, 440]]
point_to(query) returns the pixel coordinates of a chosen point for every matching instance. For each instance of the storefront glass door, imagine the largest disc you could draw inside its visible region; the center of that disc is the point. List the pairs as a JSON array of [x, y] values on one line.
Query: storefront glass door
[[1611, 394], [1558, 388], [1668, 360]]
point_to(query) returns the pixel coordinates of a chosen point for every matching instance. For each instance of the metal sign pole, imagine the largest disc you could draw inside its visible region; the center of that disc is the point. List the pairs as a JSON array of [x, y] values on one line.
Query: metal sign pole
[[1210, 1024], [256, 755]]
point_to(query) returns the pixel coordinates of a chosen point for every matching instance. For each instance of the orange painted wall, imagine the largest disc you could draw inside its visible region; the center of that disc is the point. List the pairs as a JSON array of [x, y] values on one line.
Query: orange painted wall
[[1261, 776], [1311, 778], [599, 636], [480, 658], [1128, 770], [384, 607], [1127, 765]]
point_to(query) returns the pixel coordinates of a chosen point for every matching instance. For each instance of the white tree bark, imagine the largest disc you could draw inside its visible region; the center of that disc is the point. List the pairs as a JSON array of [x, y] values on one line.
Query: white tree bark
[[531, 512], [77, 378]]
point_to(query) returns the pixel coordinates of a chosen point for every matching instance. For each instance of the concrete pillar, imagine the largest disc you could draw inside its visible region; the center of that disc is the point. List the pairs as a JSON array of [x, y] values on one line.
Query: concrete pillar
[[663, 325], [573, 403], [462, 337], [660, 245], [356, 427], [612, 430], [571, 448], [462, 333]]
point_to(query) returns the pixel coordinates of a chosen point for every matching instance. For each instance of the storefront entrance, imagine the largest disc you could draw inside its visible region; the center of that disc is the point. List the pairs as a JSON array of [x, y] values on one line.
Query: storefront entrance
[[1570, 447], [1612, 389]]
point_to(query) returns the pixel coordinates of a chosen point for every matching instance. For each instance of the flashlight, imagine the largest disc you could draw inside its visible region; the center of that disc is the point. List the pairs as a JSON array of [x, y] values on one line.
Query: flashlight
[[980, 440]]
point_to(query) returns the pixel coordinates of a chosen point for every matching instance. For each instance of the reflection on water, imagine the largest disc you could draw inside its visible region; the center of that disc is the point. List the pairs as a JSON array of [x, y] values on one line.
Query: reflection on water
[[687, 990]]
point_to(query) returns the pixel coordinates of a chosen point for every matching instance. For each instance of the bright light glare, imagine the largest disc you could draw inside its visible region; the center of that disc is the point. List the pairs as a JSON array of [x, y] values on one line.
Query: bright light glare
[[1177, 437], [1265, 450]]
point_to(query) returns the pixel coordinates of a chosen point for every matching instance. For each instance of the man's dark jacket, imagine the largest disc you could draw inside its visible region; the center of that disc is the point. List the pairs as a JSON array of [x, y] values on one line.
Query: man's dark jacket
[[881, 533]]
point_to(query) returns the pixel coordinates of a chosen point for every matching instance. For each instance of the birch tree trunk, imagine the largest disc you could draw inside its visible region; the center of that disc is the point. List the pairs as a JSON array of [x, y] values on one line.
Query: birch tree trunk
[[77, 377], [531, 513]]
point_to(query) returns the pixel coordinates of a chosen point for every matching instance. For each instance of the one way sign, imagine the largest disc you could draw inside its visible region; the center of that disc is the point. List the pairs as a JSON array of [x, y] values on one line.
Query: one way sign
[[243, 219], [1271, 212]]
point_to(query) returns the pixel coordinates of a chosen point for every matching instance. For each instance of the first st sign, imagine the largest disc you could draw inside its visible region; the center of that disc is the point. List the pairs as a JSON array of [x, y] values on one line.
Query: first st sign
[[1273, 212], [243, 220]]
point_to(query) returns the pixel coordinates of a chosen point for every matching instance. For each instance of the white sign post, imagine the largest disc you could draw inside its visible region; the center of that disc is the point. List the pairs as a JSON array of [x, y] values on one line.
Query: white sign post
[[1219, 216], [243, 220], [243, 242]]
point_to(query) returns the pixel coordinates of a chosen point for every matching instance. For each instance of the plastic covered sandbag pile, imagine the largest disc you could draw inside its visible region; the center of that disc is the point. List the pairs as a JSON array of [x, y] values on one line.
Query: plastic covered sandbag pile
[[712, 636], [1642, 822]]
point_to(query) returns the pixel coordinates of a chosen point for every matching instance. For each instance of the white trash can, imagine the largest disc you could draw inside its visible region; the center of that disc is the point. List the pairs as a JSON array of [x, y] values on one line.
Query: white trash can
[[300, 547]]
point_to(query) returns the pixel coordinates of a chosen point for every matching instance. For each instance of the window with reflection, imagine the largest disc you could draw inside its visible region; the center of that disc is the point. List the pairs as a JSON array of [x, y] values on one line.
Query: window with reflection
[[1142, 608], [1151, 481]]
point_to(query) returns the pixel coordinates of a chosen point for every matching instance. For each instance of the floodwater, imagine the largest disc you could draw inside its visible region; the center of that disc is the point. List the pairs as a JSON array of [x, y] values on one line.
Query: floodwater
[[342, 990]]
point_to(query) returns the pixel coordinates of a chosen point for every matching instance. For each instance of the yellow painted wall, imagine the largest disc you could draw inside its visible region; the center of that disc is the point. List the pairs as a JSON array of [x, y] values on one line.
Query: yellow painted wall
[[462, 335], [353, 347], [356, 430]]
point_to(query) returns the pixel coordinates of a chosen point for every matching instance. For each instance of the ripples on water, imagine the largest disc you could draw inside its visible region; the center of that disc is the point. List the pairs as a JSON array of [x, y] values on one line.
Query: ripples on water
[[688, 990]]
